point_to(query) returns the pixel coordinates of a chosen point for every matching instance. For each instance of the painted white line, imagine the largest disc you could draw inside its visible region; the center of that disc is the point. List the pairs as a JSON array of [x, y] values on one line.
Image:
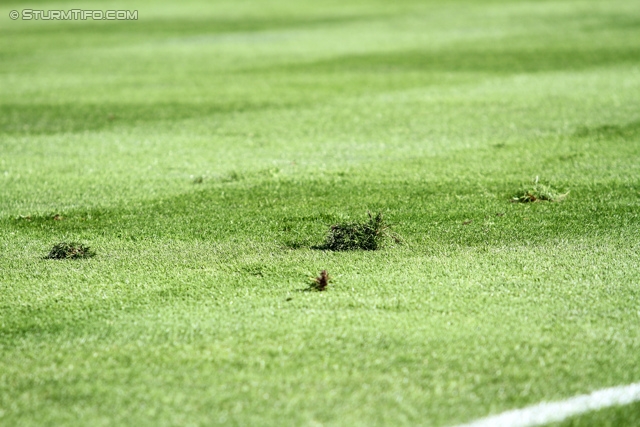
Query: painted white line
[[549, 412]]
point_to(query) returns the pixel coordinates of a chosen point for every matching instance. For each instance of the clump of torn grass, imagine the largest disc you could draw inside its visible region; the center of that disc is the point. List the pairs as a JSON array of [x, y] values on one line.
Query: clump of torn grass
[[70, 250], [321, 282], [369, 235], [537, 192]]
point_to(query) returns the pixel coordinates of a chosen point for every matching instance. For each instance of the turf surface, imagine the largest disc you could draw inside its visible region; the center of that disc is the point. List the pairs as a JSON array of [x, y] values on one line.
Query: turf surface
[[203, 151], [610, 417]]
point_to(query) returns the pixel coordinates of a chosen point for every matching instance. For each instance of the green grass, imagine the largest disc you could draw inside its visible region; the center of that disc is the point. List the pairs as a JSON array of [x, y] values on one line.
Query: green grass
[[204, 151], [610, 417]]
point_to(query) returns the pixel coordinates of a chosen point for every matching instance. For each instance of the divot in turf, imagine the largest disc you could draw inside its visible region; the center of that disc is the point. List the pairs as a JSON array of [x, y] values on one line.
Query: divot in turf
[[368, 235], [70, 250], [537, 192]]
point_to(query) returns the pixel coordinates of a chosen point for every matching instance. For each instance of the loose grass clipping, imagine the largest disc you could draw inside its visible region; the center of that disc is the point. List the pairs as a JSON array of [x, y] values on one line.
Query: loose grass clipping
[[321, 282], [70, 250], [369, 235], [537, 192]]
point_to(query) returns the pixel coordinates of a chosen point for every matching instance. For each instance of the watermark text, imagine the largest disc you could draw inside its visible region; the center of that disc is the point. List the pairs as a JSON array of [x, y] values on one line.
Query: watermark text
[[74, 15]]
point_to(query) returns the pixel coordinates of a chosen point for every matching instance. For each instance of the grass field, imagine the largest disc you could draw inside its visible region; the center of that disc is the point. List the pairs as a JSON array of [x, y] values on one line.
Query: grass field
[[204, 150]]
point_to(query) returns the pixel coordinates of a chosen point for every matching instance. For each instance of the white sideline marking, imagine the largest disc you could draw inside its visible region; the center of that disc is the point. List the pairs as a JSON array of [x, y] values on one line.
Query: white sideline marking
[[549, 412]]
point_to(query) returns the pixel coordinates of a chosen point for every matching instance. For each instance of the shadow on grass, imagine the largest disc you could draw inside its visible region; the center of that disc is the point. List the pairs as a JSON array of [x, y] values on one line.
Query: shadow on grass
[[282, 213], [36, 119]]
